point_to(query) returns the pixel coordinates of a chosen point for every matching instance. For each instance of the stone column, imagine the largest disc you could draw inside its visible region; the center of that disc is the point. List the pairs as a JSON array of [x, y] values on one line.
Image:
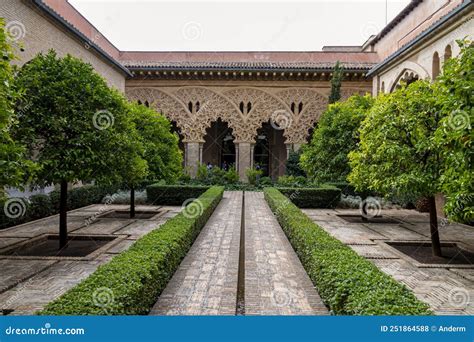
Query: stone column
[[193, 157], [244, 159]]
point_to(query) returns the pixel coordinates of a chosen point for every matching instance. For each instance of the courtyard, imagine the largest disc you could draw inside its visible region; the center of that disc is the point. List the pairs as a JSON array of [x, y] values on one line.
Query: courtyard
[[214, 280], [167, 167]]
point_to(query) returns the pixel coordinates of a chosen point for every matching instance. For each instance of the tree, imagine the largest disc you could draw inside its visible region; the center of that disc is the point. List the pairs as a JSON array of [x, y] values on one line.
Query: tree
[[397, 154], [454, 90], [152, 150], [293, 167], [13, 165], [336, 83], [325, 158], [71, 123], [161, 149]]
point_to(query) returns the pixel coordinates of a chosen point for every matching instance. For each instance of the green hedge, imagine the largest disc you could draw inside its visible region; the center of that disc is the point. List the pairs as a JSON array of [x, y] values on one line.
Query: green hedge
[[132, 281], [40, 205], [348, 283], [173, 194], [313, 197]]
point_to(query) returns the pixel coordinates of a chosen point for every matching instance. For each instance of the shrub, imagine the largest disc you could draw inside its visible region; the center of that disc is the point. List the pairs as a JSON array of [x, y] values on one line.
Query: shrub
[[83, 196], [325, 158], [293, 181], [135, 278], [313, 197], [173, 194], [293, 167], [265, 181], [253, 175], [40, 206], [348, 283]]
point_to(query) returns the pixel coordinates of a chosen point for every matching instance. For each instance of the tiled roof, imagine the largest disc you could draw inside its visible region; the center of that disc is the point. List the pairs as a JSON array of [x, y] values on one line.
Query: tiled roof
[[249, 60], [245, 65]]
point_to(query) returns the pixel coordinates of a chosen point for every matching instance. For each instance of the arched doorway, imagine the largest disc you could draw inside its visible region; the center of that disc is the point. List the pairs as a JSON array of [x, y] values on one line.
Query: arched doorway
[[270, 153], [219, 148]]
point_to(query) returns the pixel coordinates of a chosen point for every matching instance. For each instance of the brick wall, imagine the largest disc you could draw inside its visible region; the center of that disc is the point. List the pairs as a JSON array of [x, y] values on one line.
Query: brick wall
[[37, 33]]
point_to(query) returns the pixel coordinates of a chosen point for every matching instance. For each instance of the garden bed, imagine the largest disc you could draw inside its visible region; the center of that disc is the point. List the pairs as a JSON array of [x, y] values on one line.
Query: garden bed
[[48, 246], [125, 214], [422, 252]]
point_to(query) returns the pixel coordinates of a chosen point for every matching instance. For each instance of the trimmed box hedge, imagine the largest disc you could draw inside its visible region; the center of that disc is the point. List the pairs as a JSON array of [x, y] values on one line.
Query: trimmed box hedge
[[158, 194], [348, 283], [132, 281], [313, 197]]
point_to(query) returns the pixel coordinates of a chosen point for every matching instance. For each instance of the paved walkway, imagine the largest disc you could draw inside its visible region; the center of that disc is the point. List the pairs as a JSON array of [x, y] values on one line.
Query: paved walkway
[[275, 280], [206, 282]]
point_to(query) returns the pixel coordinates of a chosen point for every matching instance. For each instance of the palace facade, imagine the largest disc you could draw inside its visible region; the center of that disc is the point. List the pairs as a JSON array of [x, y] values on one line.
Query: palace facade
[[248, 108]]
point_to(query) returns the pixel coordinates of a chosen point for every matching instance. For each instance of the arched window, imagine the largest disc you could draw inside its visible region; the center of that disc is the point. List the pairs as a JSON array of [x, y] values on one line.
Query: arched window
[[382, 88], [198, 105], [190, 106], [448, 53], [147, 104], [300, 107], [293, 107], [139, 102], [435, 70], [241, 106], [249, 107]]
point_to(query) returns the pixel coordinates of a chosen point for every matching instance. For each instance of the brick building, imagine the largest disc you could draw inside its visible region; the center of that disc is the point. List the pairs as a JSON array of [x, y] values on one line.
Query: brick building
[[247, 108]]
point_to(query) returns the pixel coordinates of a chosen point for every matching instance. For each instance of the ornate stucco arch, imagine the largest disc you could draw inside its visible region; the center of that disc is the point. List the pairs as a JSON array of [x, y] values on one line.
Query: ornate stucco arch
[[212, 106], [168, 105], [305, 106], [263, 106], [407, 71]]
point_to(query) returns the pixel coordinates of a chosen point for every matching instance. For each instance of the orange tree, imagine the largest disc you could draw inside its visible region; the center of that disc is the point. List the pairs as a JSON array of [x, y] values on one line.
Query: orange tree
[[13, 165], [454, 91], [75, 127], [397, 154]]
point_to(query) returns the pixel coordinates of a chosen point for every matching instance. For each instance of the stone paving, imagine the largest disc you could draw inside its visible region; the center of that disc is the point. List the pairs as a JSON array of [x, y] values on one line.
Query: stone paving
[[448, 289], [206, 282], [27, 284], [275, 280]]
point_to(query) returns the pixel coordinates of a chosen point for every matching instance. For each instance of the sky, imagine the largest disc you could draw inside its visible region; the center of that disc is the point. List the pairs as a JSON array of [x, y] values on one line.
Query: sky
[[244, 25]]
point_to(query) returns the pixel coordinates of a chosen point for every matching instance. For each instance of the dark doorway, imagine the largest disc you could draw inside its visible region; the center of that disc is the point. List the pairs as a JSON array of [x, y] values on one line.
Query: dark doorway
[[219, 147], [270, 151]]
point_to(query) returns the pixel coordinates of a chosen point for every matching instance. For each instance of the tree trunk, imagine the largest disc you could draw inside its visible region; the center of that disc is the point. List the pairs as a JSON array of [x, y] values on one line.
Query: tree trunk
[[63, 215], [132, 202], [435, 242], [364, 209]]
